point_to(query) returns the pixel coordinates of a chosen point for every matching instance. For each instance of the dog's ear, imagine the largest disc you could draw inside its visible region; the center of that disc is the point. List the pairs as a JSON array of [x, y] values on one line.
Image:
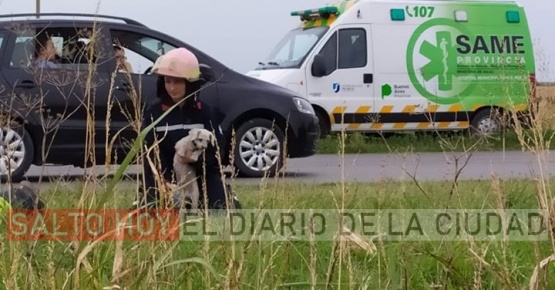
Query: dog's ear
[[194, 133]]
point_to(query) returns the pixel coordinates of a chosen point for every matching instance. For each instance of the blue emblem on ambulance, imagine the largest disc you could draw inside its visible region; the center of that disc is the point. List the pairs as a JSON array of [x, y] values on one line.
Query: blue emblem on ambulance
[[336, 87]]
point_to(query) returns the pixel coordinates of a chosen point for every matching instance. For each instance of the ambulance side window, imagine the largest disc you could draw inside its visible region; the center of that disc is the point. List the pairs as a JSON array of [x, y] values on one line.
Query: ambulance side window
[[329, 51], [352, 48]]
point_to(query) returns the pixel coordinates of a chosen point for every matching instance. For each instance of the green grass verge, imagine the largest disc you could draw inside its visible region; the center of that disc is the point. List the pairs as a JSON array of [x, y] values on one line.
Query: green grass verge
[[421, 142], [292, 264]]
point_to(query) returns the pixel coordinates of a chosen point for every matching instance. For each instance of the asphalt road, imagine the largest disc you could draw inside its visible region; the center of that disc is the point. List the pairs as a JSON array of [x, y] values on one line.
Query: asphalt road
[[375, 167]]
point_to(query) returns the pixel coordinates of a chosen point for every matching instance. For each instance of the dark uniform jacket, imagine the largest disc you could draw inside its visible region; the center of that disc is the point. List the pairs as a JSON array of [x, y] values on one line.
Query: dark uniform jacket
[[176, 125]]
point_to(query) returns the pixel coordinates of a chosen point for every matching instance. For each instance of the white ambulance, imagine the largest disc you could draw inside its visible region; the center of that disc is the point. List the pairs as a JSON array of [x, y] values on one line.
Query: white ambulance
[[393, 65]]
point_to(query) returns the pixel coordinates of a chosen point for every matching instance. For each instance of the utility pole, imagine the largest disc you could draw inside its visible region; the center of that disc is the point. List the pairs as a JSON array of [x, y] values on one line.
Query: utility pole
[[38, 7]]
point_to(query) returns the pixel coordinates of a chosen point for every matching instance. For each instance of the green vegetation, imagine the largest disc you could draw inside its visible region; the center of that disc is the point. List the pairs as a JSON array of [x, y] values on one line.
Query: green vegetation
[[422, 142], [356, 261]]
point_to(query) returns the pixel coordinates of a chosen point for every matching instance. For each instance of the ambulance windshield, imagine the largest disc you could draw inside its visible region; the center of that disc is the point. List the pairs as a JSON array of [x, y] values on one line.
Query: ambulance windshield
[[291, 51]]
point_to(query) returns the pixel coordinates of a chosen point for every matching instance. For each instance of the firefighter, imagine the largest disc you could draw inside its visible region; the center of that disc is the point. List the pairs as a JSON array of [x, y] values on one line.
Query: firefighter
[[179, 78]]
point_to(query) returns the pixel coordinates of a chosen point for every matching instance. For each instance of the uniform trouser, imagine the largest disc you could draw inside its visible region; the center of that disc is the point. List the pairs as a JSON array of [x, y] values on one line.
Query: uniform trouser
[[215, 190], [211, 183]]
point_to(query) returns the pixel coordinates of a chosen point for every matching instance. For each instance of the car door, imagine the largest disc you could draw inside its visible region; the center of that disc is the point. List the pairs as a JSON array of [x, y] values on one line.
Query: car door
[[63, 94], [398, 105], [346, 88]]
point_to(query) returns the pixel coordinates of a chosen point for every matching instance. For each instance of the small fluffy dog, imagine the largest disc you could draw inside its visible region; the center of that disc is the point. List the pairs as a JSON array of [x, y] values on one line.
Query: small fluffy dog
[[188, 150]]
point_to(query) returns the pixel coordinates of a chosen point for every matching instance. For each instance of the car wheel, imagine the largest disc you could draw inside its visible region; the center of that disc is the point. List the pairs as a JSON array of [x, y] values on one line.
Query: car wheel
[[258, 150], [486, 122], [16, 152]]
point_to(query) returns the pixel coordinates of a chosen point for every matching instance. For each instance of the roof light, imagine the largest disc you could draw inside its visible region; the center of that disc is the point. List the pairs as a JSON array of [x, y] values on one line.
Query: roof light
[[461, 16], [397, 14], [324, 12], [513, 17]]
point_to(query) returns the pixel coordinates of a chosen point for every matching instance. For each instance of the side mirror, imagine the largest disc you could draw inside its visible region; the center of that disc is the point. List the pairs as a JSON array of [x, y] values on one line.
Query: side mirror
[[207, 73], [319, 66]]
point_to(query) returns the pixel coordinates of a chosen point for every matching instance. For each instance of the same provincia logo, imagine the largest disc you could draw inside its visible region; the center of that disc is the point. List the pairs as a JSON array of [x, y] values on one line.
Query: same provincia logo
[[444, 59]]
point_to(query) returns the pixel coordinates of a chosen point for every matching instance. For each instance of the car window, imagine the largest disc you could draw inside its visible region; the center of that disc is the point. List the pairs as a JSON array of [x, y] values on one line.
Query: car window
[[345, 49], [139, 51], [51, 48], [137, 63]]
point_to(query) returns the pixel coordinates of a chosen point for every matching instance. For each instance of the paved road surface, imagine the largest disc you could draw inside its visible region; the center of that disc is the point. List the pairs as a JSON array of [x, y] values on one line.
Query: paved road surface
[[374, 167]]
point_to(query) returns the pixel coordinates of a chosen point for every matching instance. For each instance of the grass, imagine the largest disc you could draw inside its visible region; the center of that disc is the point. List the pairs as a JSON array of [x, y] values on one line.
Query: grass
[[353, 261], [365, 264], [420, 142]]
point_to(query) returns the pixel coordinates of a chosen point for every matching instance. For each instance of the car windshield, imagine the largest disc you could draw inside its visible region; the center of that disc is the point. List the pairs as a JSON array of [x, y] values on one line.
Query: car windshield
[[291, 51]]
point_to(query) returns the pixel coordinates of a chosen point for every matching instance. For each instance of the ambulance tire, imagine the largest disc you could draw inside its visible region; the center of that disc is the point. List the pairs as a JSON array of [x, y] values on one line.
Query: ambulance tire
[[324, 123], [260, 150], [487, 122]]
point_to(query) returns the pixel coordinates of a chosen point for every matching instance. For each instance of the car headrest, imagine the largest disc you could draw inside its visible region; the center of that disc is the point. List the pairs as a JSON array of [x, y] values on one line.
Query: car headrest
[[206, 73]]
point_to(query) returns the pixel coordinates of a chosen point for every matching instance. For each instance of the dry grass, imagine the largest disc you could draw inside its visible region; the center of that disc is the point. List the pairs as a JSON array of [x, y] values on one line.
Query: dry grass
[[355, 260], [354, 263], [546, 95]]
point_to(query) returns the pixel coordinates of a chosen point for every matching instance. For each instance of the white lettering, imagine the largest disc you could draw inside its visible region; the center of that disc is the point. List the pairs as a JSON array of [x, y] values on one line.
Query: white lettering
[[163, 222], [55, 227], [490, 60], [128, 223], [75, 223], [19, 224], [150, 227], [88, 225]]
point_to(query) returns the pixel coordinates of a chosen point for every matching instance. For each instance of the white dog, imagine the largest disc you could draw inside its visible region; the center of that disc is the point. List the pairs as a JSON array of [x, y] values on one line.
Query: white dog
[[188, 150]]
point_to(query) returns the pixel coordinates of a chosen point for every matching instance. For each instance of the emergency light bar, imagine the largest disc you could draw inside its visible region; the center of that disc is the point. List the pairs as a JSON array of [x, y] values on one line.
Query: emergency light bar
[[323, 12]]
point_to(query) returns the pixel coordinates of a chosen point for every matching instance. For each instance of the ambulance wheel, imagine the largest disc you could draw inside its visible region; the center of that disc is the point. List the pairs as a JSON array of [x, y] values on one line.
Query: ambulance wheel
[[258, 148], [486, 122], [16, 152]]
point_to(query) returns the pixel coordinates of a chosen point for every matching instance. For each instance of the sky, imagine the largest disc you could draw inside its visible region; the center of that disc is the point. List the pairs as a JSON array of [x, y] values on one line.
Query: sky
[[240, 33]]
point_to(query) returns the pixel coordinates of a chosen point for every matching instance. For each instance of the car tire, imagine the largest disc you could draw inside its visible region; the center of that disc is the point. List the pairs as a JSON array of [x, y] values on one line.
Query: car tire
[[258, 148], [324, 124], [16, 138], [486, 122]]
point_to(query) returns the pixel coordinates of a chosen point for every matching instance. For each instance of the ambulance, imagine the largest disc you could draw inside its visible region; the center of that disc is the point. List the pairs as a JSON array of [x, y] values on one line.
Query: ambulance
[[398, 65]]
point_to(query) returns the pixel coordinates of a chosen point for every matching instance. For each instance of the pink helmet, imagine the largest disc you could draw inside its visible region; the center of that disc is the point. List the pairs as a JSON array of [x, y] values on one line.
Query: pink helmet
[[179, 63]]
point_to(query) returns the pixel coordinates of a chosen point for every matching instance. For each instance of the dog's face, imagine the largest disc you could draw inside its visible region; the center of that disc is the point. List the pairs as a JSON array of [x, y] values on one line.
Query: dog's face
[[201, 138]]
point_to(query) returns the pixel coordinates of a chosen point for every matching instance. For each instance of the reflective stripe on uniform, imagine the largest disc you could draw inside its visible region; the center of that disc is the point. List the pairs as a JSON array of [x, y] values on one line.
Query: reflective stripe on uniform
[[178, 127]]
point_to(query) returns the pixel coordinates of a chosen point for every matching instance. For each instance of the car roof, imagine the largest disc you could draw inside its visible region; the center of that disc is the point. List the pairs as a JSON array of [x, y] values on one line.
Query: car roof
[[67, 17], [10, 20]]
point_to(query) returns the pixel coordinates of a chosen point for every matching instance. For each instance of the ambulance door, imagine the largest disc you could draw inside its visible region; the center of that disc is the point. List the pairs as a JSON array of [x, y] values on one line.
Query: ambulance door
[[398, 106], [339, 77]]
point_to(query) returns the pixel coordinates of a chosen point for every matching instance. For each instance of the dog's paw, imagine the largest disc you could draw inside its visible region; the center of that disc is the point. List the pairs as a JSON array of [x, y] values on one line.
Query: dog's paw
[[189, 159], [170, 187]]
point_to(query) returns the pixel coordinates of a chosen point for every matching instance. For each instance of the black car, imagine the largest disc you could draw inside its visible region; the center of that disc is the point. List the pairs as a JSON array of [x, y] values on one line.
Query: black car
[[53, 109]]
